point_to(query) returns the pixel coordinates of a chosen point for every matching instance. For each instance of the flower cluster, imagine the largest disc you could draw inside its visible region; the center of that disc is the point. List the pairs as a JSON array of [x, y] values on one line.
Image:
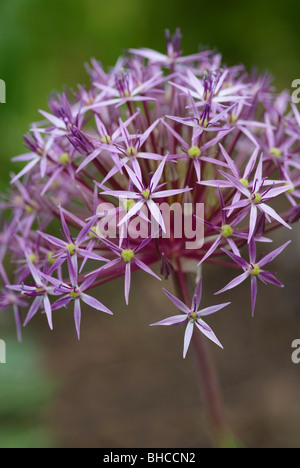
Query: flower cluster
[[156, 130]]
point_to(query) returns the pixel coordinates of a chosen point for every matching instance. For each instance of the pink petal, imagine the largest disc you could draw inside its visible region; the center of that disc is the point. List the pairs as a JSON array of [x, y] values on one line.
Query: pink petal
[[271, 256], [174, 320], [77, 316], [253, 293], [94, 303], [201, 325], [180, 305], [212, 309], [240, 279], [188, 336]]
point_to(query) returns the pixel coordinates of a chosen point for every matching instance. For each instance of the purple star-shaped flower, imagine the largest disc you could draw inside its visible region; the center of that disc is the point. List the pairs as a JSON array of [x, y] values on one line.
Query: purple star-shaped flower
[[253, 270], [193, 316]]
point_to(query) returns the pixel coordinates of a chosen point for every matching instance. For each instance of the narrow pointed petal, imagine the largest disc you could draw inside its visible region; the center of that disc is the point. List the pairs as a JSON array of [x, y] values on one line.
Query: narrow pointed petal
[[236, 183], [65, 226], [25, 170], [252, 223], [33, 309], [212, 309], [85, 232], [253, 293], [240, 279], [77, 316], [197, 295], [155, 212], [158, 173], [48, 311], [258, 173], [127, 281], [170, 193], [271, 212], [174, 320], [202, 326], [94, 303], [237, 259], [251, 163], [144, 267], [132, 212], [252, 251], [54, 120], [211, 250], [268, 277], [271, 256], [187, 337], [34, 272], [180, 305], [230, 162]]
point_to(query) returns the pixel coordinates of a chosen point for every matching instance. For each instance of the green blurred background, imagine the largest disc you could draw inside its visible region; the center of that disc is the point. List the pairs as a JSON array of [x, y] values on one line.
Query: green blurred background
[[43, 47]]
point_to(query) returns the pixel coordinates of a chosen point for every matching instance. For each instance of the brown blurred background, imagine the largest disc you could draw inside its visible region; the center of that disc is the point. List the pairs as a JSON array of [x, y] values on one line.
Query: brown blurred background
[[125, 384]]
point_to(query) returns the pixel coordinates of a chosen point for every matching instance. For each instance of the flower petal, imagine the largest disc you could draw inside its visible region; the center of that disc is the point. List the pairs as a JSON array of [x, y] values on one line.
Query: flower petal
[[187, 337], [240, 279], [174, 320], [202, 326], [94, 303], [180, 305]]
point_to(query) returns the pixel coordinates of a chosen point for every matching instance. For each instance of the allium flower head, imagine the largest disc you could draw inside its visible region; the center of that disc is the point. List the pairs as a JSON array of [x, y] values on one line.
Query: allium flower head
[[117, 169]]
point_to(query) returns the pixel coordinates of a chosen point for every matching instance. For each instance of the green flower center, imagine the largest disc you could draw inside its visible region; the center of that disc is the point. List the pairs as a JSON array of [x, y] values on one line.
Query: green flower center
[[32, 258], [65, 158], [106, 139], [255, 270], [128, 204], [256, 197], [203, 123], [292, 189], [245, 182], [125, 94], [71, 248], [127, 255], [131, 151], [31, 207], [194, 152], [276, 152], [146, 194], [226, 230], [74, 293], [92, 233], [193, 316], [50, 258]]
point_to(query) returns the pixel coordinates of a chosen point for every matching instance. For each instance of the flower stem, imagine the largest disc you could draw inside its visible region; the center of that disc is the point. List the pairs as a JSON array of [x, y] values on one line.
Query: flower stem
[[210, 390], [208, 379]]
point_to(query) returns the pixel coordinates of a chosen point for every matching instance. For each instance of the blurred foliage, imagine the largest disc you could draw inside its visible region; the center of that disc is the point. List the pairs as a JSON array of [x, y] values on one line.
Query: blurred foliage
[[43, 45], [24, 394]]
